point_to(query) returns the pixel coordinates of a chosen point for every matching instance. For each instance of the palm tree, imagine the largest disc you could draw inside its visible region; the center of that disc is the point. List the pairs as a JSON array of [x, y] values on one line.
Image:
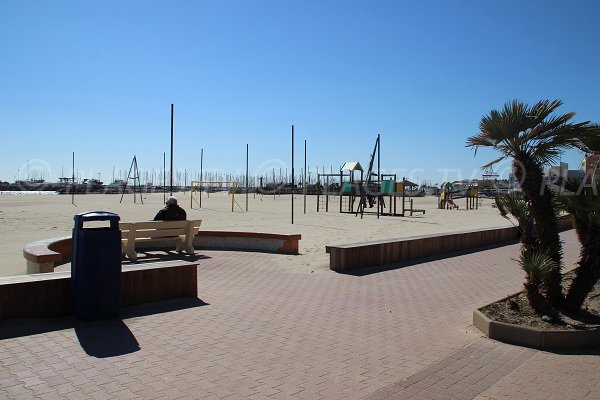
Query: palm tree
[[582, 201], [583, 204], [532, 137], [534, 261]]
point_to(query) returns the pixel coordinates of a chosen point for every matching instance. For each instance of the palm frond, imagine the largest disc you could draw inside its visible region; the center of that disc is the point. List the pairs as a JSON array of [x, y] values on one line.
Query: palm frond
[[513, 204], [590, 139], [536, 262], [493, 162]]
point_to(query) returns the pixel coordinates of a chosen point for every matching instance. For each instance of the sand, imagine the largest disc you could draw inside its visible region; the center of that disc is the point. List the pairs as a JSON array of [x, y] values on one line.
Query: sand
[[27, 218]]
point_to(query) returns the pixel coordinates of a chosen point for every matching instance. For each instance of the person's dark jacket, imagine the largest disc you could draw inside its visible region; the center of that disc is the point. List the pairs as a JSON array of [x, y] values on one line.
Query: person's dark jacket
[[171, 213]]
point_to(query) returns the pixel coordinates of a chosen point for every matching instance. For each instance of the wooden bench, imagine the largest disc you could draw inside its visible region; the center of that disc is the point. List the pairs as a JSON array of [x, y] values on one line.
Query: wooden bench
[[182, 232]]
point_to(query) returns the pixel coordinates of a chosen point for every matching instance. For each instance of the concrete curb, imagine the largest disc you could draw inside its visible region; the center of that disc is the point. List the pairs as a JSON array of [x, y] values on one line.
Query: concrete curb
[[534, 337]]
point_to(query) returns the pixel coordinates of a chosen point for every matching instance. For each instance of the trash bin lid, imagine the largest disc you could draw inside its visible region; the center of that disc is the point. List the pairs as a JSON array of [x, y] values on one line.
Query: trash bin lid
[[96, 216]]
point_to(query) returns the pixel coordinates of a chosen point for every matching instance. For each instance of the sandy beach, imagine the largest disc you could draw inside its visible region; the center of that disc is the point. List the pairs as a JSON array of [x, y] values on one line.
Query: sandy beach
[[31, 217]]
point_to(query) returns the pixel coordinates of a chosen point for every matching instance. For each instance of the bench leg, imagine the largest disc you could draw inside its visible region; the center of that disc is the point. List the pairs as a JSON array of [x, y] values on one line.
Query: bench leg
[[130, 249], [183, 244], [39, 268]]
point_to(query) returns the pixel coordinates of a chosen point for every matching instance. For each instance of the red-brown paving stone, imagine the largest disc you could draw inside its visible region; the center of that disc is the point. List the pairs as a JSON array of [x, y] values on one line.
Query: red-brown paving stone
[[270, 331]]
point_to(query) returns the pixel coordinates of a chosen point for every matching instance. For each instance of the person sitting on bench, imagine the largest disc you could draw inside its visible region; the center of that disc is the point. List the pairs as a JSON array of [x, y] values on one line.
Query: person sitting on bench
[[171, 212]]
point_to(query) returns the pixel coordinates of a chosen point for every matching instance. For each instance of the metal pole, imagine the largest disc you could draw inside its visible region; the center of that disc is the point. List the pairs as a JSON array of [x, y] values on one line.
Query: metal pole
[[318, 190], [73, 182], [201, 160], [164, 176], [292, 174], [246, 177], [378, 171], [171, 183], [304, 178]]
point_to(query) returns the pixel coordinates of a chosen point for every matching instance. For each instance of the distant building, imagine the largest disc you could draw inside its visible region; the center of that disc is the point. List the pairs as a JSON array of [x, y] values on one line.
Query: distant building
[[562, 171], [590, 165]]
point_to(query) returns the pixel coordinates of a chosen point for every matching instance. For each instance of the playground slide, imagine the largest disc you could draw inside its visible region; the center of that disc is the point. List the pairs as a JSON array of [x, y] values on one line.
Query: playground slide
[[452, 203]]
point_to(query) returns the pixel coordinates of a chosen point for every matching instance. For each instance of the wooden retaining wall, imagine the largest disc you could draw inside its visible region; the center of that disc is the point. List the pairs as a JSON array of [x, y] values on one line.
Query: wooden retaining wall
[[49, 294], [352, 256], [349, 257]]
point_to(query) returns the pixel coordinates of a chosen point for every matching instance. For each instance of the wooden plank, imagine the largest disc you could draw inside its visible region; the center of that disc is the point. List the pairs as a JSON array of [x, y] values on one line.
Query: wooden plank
[[157, 233], [158, 224]]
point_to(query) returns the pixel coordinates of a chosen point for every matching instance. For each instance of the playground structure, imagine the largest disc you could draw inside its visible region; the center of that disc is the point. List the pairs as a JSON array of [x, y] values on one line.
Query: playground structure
[[370, 189], [349, 191], [197, 187], [451, 191], [137, 186]]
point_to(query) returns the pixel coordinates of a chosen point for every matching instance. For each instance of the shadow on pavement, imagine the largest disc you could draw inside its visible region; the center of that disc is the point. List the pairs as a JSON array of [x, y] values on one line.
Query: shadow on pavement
[[20, 327], [389, 267], [161, 307], [106, 338]]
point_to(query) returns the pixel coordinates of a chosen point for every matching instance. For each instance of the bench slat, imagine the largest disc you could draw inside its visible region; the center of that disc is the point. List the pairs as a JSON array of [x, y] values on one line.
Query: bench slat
[[156, 233], [158, 224]]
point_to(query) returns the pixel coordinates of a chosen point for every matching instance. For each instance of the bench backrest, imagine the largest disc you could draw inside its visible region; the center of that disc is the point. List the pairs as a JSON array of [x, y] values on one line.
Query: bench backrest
[[159, 229]]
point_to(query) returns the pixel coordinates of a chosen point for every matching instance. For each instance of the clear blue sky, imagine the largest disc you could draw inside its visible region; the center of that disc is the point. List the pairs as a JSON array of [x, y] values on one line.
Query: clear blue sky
[[98, 78]]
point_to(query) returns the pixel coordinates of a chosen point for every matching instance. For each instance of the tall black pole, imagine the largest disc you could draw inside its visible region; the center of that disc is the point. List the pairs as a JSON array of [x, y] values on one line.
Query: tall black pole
[[304, 178], [292, 174], [73, 182], [164, 176], [246, 177], [378, 170], [171, 185], [201, 160]]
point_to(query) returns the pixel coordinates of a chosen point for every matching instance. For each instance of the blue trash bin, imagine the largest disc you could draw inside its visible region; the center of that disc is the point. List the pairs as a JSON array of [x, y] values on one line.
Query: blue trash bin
[[96, 266]]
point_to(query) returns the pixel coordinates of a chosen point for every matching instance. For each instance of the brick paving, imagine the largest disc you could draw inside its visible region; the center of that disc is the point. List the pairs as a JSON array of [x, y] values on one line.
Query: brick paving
[[266, 330]]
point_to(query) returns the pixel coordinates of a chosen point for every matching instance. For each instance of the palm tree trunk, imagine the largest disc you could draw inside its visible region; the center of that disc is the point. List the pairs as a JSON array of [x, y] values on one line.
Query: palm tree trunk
[[534, 297], [534, 189], [588, 271]]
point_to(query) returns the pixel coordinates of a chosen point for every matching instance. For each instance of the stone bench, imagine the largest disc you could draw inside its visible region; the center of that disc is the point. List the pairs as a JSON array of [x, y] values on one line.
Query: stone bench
[[45, 255], [49, 294], [248, 241]]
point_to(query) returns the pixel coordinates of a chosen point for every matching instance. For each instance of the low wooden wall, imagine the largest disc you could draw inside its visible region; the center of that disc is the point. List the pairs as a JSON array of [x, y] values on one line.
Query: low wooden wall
[[349, 257], [49, 294], [352, 256]]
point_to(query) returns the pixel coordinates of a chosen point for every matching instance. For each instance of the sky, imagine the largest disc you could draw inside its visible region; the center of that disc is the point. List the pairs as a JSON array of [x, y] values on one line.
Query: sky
[[97, 78]]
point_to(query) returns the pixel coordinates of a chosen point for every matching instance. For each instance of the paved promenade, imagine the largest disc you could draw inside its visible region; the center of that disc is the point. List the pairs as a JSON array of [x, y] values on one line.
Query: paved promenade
[[266, 330]]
